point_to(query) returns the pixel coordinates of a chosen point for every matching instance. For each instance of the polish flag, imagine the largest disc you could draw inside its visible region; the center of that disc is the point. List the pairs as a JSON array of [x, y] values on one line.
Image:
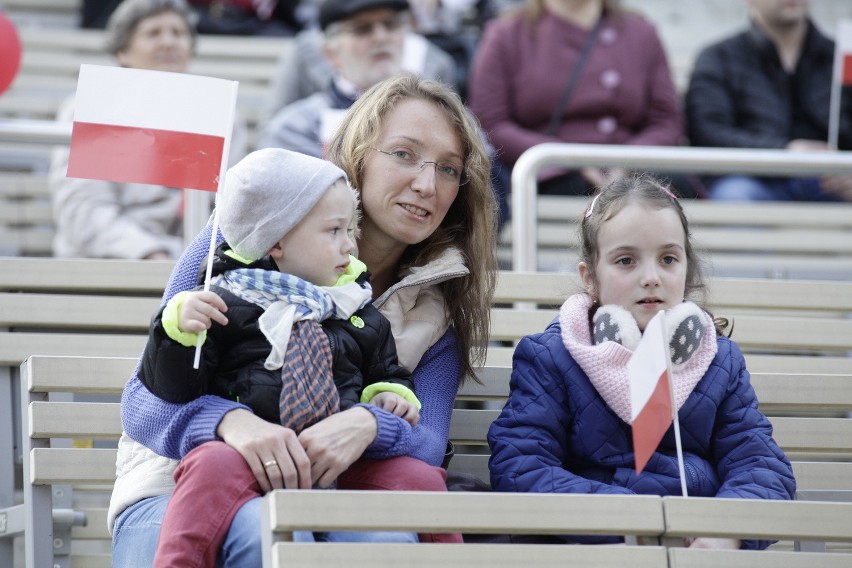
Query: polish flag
[[650, 393], [154, 127], [844, 51]]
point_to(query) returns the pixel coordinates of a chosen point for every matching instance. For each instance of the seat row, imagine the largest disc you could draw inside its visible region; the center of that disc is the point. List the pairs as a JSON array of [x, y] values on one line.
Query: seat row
[[79, 325]]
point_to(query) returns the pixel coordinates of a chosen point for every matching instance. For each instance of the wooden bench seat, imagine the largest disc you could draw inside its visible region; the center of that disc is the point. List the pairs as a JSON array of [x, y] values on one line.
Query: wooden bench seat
[[287, 511]]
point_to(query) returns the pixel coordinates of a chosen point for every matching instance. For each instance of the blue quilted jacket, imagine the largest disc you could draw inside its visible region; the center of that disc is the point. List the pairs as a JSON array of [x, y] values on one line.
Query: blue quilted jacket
[[557, 435]]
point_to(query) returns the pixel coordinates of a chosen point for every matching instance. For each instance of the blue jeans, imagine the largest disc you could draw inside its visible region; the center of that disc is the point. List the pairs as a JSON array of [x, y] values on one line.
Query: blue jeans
[[746, 188], [137, 529]]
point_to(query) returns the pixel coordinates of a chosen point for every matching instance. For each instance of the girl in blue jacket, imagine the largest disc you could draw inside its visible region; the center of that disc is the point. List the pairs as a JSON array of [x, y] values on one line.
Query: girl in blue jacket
[[566, 427]]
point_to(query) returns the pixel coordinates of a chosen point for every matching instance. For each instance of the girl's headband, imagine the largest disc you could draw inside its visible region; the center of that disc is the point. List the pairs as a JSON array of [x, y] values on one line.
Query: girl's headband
[[591, 208]]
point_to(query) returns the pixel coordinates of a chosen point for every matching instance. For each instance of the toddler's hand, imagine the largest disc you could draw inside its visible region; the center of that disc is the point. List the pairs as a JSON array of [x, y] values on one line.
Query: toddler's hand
[[397, 406], [199, 310]]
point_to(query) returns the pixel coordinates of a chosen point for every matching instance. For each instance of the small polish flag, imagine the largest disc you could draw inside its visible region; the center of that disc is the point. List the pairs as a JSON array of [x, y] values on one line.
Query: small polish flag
[[844, 51], [153, 127], [650, 392]]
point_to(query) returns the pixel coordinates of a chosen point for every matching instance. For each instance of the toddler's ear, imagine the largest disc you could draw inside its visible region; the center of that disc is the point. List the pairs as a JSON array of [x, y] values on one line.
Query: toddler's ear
[[614, 323], [685, 328], [276, 251]]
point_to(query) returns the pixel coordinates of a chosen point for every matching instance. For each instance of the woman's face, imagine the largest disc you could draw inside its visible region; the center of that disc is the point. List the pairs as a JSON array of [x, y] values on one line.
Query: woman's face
[[403, 203], [161, 42]]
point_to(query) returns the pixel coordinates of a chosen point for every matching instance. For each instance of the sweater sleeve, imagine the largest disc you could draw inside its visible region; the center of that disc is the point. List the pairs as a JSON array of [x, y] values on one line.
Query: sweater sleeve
[[436, 380]]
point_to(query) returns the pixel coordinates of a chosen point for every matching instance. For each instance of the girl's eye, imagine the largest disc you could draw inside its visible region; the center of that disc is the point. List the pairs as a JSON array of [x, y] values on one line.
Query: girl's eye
[[624, 261], [669, 259]]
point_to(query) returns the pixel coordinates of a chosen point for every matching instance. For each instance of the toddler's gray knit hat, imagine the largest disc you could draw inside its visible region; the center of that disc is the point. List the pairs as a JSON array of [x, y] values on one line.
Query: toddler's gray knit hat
[[266, 194]]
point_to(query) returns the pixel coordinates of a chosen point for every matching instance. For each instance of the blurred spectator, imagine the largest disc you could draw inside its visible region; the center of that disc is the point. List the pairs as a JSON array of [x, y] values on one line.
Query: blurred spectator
[[442, 23], [361, 44], [102, 219], [95, 13], [769, 87], [248, 17], [304, 69], [581, 71]]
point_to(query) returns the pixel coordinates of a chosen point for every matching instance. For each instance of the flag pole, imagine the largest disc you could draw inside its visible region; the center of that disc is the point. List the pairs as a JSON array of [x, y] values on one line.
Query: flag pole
[[226, 150], [675, 421], [836, 90]]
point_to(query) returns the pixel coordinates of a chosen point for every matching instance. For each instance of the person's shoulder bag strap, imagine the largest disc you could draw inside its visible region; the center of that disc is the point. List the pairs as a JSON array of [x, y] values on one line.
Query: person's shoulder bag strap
[[574, 78]]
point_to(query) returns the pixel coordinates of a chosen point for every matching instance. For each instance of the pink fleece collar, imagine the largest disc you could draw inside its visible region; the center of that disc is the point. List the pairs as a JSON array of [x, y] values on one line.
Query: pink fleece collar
[[606, 364]]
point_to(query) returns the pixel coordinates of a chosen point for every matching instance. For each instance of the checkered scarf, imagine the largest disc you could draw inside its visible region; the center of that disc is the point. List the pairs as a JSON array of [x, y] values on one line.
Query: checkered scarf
[[293, 309]]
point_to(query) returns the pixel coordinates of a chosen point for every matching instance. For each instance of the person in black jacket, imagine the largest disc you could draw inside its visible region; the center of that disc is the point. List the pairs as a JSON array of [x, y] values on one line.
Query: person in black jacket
[[770, 87], [288, 327]]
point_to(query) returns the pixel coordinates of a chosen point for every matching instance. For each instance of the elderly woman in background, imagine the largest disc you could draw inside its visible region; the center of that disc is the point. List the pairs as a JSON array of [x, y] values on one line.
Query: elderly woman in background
[[103, 219]]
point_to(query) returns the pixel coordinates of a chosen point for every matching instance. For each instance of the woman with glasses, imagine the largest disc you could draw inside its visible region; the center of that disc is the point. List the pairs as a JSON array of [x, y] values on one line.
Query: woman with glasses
[[428, 237]]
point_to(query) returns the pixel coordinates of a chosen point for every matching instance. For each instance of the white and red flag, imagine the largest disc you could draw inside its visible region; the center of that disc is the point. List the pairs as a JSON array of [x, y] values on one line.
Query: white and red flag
[[650, 391], [842, 77], [154, 127]]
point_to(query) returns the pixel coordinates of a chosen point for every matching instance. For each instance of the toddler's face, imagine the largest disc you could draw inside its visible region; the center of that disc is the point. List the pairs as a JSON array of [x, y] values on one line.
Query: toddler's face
[[318, 248], [642, 262]]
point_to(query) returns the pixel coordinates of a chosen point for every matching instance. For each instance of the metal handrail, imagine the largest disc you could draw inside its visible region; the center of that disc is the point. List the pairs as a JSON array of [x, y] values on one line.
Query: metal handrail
[[654, 158], [29, 131]]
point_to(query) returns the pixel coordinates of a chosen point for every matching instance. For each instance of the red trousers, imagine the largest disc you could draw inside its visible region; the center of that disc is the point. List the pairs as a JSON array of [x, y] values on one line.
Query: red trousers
[[213, 481]]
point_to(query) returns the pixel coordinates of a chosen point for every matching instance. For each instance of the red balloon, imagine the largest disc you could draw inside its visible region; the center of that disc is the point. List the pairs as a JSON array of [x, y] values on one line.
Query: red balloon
[[10, 52]]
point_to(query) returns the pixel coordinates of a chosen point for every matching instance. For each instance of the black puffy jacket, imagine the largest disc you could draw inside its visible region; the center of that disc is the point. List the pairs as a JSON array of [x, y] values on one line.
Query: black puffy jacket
[[232, 356]]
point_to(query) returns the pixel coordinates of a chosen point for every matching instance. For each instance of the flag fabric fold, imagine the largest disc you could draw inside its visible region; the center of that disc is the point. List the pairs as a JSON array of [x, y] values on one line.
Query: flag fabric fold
[[650, 391], [153, 127]]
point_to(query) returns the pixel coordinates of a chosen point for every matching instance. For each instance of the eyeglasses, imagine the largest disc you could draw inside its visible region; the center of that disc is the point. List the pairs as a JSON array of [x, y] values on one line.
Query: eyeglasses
[[446, 173], [364, 29]]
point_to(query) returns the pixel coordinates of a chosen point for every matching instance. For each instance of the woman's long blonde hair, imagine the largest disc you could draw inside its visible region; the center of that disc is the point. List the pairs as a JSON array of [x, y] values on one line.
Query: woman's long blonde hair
[[471, 222]]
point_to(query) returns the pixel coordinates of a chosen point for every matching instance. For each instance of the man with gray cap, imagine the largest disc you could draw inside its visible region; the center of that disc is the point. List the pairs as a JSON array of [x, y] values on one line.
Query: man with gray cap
[[362, 43], [289, 221]]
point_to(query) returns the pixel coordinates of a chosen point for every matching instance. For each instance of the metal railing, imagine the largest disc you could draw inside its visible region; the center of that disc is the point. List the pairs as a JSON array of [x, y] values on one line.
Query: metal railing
[[652, 158]]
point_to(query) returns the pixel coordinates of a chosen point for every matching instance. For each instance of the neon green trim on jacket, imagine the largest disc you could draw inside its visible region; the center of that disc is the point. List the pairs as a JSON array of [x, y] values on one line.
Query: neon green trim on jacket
[[235, 256], [355, 269], [405, 392], [170, 322]]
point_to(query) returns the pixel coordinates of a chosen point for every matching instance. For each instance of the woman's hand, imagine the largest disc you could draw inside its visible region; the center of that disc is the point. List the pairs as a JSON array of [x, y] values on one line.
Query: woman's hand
[[336, 442], [273, 452]]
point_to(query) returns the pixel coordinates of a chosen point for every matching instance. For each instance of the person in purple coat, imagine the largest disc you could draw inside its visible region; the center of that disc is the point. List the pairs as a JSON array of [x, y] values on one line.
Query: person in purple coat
[[623, 92]]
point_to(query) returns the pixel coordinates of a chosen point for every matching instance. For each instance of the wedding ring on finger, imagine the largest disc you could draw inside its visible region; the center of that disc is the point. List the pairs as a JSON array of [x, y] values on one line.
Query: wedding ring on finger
[[270, 463]]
